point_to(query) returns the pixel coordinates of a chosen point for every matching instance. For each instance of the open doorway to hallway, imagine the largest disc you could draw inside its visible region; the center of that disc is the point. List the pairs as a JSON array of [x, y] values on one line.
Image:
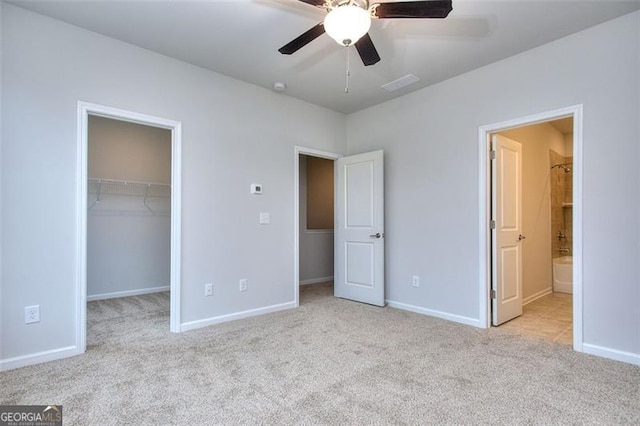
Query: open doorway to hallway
[[532, 229], [316, 226]]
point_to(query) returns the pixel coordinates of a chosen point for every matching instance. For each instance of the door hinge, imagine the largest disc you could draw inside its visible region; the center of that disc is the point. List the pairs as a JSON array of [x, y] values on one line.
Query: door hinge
[[492, 224], [492, 155], [493, 294]]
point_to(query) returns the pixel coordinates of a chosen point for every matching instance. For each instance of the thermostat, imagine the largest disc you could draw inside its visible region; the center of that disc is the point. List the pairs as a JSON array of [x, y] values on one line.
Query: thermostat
[[256, 188]]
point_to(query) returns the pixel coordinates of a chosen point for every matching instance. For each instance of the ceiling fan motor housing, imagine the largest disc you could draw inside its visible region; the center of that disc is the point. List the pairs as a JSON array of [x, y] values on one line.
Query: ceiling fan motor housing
[[331, 4]]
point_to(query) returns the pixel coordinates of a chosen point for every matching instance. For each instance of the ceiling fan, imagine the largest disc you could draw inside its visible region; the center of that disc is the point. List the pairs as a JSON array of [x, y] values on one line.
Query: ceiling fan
[[348, 22]]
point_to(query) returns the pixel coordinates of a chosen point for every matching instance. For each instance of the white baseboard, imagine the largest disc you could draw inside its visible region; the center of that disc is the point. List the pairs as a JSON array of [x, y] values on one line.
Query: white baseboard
[[537, 296], [438, 314], [192, 325], [316, 280], [37, 358], [127, 293], [628, 357]]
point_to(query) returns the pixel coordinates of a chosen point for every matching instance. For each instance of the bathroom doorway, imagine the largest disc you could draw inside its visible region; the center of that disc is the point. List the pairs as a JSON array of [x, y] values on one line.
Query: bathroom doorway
[[532, 179], [546, 235]]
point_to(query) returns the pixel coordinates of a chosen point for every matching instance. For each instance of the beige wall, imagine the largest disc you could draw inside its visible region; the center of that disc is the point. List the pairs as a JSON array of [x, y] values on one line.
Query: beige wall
[[127, 151], [568, 144], [319, 193], [536, 142]]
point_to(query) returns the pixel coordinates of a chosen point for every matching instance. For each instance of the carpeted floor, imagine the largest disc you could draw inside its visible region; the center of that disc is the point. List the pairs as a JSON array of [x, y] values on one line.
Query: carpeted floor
[[330, 361]]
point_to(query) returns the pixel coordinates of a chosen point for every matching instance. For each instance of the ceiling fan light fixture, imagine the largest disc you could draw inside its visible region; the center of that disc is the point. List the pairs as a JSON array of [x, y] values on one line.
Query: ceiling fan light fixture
[[347, 23]]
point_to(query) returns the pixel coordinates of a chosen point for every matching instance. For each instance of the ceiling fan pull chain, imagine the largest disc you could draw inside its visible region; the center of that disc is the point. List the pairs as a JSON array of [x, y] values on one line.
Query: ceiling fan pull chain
[[346, 87]]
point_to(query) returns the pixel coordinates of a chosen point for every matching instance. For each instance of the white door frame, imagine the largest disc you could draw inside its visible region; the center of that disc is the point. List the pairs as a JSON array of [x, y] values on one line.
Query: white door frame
[[301, 150], [84, 110], [574, 111]]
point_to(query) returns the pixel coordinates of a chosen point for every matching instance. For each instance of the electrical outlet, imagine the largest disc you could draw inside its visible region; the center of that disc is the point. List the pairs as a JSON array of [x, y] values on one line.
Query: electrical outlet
[[415, 281], [208, 289], [32, 314], [243, 284]]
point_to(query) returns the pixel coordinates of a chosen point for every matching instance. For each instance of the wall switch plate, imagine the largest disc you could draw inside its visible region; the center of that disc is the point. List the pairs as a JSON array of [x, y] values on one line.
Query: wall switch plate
[[32, 314], [208, 289], [415, 281], [256, 188], [243, 284], [265, 218]]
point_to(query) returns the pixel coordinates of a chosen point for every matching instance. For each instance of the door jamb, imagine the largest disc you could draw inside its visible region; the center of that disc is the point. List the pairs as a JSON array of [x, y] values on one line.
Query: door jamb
[[84, 110], [301, 150], [575, 111]]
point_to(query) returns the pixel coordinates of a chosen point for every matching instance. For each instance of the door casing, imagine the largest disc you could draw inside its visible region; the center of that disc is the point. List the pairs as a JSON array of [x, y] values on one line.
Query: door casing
[[85, 109], [484, 189]]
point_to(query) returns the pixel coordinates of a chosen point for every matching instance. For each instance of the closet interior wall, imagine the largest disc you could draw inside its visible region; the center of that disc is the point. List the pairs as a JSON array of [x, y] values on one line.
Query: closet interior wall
[[129, 209]]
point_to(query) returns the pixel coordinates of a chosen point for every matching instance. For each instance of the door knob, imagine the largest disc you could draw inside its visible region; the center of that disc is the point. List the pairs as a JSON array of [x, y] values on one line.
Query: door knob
[[521, 237], [377, 235]]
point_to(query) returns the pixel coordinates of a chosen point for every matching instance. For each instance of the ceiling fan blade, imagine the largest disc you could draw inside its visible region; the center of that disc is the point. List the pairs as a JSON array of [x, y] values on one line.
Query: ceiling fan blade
[[302, 40], [414, 9], [367, 51], [318, 3]]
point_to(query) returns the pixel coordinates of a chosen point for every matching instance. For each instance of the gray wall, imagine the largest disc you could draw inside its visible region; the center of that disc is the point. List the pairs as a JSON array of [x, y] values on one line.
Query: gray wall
[[430, 140], [234, 134], [128, 246]]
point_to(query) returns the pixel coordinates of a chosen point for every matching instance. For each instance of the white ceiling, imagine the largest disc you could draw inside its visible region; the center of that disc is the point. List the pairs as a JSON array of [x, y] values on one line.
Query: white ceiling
[[241, 39]]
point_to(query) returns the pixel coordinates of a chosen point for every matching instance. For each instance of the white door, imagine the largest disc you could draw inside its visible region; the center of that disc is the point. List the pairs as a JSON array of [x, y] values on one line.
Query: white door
[[506, 235], [359, 229]]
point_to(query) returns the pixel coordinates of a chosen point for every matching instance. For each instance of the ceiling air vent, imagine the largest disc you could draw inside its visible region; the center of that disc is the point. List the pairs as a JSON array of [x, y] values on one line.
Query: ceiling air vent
[[400, 83]]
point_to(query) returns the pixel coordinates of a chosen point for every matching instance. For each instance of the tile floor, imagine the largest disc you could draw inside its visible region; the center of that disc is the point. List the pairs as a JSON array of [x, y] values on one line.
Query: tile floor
[[550, 318]]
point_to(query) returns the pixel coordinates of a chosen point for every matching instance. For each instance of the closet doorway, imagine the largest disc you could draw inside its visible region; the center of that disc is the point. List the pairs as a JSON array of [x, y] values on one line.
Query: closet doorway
[[129, 232]]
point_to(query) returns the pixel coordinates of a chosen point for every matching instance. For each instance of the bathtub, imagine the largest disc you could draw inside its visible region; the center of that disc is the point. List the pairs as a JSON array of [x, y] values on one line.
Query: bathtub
[[563, 274]]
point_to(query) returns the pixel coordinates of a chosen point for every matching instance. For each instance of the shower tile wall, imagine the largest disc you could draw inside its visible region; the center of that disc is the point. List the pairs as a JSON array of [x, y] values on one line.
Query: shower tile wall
[[561, 204]]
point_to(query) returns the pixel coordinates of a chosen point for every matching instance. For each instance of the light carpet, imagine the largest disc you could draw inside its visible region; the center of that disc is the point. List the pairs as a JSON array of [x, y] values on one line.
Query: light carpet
[[331, 361]]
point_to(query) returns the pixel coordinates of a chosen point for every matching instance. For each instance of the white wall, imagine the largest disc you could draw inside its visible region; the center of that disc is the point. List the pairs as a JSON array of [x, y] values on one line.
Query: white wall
[[316, 246], [430, 140], [536, 142], [234, 134], [128, 246]]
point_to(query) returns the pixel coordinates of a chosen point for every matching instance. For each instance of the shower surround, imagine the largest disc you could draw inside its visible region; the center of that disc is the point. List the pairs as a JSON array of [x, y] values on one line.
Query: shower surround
[[561, 191]]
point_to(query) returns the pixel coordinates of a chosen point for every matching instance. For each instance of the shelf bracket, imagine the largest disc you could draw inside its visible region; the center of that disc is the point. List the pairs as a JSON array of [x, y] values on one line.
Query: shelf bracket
[[97, 194]]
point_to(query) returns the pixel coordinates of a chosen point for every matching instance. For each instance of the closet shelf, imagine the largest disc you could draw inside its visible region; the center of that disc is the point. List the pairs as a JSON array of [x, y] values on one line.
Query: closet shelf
[[101, 188]]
